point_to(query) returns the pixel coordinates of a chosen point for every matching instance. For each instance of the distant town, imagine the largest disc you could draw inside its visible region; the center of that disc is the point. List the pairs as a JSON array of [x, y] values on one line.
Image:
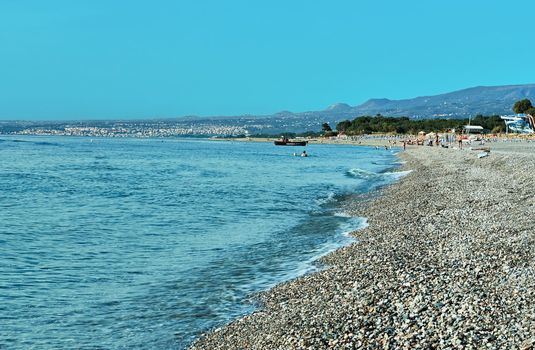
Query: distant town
[[122, 129], [222, 127]]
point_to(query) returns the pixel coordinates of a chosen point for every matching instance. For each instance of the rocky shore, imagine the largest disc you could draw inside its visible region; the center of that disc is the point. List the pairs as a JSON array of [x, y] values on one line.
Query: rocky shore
[[447, 262]]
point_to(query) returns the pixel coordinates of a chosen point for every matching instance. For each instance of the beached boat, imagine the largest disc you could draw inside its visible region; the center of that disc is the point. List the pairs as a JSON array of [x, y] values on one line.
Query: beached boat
[[290, 143]]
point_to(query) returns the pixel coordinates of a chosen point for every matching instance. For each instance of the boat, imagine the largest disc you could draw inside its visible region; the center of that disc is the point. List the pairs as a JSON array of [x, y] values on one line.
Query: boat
[[287, 142]]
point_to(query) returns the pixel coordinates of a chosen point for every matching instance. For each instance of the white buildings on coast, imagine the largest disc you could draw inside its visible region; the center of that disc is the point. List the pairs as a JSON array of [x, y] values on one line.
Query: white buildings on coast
[[136, 131]]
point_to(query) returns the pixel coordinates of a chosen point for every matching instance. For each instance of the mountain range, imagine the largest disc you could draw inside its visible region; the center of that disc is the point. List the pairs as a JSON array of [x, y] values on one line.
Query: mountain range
[[486, 100]]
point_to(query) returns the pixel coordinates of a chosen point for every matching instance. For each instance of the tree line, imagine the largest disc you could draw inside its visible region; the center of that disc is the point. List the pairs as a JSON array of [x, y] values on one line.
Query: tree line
[[404, 125]]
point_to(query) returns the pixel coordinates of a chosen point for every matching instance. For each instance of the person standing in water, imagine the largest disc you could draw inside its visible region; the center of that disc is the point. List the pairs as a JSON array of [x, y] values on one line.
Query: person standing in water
[[304, 154]]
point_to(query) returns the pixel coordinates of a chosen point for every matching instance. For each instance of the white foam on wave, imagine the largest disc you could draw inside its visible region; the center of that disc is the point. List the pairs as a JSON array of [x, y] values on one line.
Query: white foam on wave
[[344, 231], [396, 175], [362, 174], [370, 175], [329, 198], [353, 224]]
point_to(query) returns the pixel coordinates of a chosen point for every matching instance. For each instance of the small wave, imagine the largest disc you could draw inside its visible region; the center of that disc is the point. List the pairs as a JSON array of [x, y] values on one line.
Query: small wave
[[344, 231], [362, 174], [328, 199], [38, 143], [372, 176], [45, 143], [352, 225], [396, 175], [20, 141]]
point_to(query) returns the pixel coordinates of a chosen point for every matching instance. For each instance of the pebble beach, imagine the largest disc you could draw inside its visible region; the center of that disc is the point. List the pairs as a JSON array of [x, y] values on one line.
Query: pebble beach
[[447, 262]]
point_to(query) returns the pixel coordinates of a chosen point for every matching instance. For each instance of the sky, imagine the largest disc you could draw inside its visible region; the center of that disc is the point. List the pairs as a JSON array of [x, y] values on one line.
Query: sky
[[125, 59]]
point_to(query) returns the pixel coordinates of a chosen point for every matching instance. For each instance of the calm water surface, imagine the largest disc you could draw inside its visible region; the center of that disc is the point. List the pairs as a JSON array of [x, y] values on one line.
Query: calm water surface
[[128, 243]]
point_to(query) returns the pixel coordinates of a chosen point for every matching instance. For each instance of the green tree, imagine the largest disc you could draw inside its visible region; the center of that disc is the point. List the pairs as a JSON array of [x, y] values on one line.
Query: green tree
[[530, 111], [343, 126], [326, 127], [522, 106]]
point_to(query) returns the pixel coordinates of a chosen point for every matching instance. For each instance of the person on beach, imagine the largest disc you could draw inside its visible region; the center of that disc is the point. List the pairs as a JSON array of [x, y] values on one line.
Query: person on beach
[[404, 144], [460, 143]]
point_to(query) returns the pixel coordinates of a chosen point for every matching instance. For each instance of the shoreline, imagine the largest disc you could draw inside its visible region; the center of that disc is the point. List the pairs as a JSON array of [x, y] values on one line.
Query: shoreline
[[441, 264], [380, 141], [345, 206], [507, 143]]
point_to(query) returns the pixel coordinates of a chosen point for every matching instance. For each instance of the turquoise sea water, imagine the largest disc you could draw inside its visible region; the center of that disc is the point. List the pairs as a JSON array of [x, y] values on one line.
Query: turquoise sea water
[[145, 243]]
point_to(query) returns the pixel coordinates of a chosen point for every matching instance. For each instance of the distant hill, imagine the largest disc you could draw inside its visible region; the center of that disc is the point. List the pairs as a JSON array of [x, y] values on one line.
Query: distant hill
[[457, 104], [486, 100]]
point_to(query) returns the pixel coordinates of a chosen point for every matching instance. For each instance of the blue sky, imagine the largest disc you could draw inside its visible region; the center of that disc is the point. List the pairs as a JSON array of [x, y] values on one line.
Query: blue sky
[[94, 59]]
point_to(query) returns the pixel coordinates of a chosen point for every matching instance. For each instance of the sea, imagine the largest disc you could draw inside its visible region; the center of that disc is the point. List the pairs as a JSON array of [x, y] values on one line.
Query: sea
[[109, 243]]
